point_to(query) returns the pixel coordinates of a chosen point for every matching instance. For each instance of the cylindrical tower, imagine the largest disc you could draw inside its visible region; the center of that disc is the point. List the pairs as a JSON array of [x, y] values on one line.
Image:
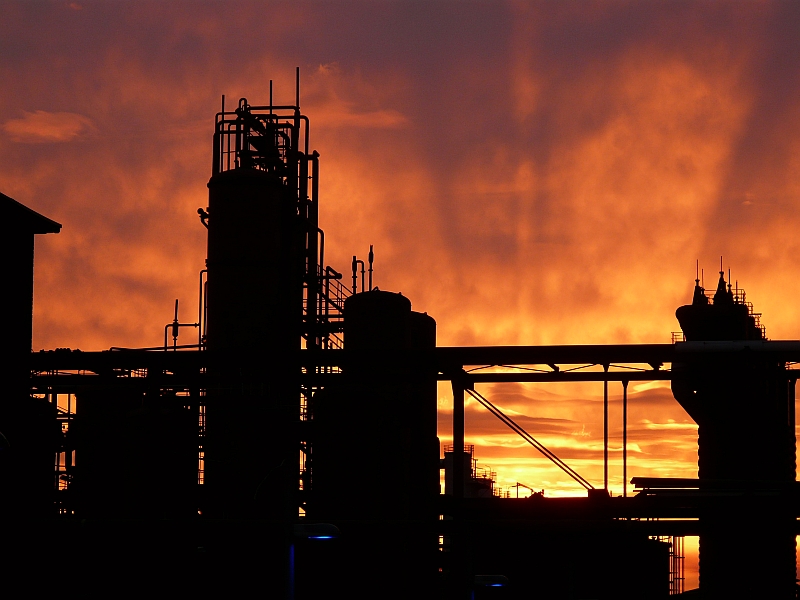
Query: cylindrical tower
[[746, 451], [254, 267], [257, 229], [376, 472]]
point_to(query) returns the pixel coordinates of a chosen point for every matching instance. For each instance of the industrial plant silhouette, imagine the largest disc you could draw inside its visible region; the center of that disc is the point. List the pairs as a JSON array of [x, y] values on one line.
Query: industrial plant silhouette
[[291, 450]]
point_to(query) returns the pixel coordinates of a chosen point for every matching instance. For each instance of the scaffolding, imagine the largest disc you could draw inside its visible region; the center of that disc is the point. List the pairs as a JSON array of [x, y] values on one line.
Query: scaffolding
[[676, 562]]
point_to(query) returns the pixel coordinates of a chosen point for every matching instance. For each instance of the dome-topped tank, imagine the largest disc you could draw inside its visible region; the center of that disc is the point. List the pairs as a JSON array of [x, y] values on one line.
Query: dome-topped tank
[[376, 453], [376, 320]]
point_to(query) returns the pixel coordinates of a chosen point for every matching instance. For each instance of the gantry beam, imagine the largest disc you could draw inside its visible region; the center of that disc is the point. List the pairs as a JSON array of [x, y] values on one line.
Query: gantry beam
[[445, 362]]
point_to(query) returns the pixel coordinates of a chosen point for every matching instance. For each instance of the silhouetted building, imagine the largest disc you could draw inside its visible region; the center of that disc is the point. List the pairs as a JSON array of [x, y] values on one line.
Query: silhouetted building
[[28, 428], [743, 403]]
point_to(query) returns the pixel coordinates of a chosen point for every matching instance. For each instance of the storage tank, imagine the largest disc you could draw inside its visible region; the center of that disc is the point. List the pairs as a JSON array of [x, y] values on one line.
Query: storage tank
[[375, 460]]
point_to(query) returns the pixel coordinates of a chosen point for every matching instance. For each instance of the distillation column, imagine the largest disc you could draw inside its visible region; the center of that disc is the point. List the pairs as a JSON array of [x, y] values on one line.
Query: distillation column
[[256, 267]]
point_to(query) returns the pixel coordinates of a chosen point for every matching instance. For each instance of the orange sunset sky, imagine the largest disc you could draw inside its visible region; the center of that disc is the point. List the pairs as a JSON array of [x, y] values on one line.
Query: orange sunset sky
[[529, 173]]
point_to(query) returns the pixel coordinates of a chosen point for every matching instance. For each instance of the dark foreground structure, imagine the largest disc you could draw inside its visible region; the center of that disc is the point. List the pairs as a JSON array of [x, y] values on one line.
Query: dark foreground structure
[[291, 451]]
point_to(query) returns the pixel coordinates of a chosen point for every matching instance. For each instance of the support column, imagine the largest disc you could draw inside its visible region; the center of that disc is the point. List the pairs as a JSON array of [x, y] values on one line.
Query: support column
[[625, 438], [605, 431], [458, 436]]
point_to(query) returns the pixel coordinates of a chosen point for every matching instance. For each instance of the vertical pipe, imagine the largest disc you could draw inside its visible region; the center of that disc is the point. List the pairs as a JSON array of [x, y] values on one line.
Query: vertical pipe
[[314, 206], [205, 308], [605, 431], [458, 437], [321, 304], [321, 246], [296, 127], [792, 438], [625, 438], [216, 159], [315, 181], [238, 133], [311, 262], [314, 211], [460, 589], [200, 313], [327, 292]]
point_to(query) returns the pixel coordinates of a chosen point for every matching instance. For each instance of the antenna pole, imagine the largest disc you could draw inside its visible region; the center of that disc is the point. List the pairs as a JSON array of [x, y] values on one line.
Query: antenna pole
[[297, 87], [371, 259], [175, 327]]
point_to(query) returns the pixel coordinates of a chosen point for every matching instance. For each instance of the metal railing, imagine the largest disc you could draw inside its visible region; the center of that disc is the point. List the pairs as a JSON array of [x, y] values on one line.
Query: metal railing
[[739, 296]]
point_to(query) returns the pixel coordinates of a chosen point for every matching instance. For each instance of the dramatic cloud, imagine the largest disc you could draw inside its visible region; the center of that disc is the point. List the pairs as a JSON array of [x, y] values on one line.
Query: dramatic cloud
[[529, 173], [41, 126]]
